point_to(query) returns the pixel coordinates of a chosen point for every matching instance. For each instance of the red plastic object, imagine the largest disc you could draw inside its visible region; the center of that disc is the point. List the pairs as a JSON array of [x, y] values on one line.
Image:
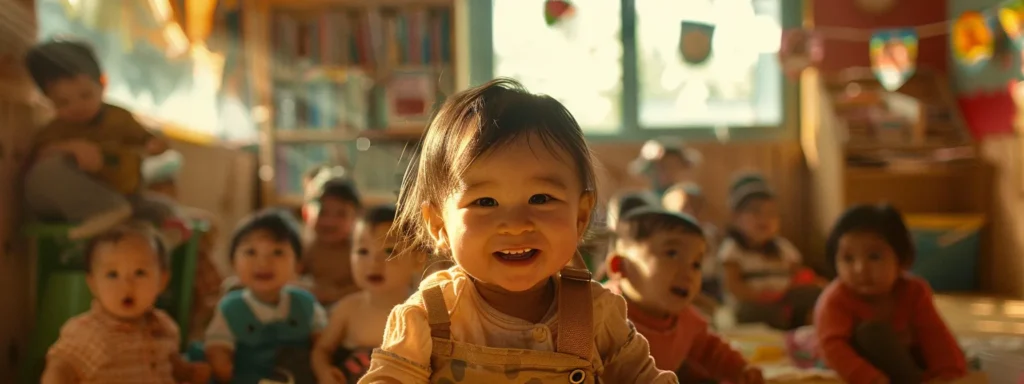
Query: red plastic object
[[805, 276], [988, 112]]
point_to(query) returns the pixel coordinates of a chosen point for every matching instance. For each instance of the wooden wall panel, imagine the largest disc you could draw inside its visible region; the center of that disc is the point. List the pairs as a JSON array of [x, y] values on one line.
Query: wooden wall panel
[[1003, 264], [781, 162], [17, 31]]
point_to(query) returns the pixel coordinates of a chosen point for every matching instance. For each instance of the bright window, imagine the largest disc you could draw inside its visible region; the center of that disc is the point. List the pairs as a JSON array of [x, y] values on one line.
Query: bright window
[[617, 64]]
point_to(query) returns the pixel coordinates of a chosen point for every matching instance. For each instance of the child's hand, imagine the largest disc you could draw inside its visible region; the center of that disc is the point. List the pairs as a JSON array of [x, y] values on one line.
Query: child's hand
[[155, 146], [750, 375], [86, 153], [331, 376], [201, 373]]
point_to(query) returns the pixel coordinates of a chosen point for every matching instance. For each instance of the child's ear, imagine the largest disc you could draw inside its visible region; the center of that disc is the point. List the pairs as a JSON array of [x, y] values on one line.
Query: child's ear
[[615, 264], [586, 209], [165, 278], [435, 223]]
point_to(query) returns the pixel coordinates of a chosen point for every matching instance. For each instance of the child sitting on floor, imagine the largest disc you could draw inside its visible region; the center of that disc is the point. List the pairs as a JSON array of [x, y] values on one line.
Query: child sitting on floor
[[763, 272], [876, 323], [656, 266], [665, 165], [504, 185], [326, 259], [357, 322], [687, 198], [122, 338], [268, 326]]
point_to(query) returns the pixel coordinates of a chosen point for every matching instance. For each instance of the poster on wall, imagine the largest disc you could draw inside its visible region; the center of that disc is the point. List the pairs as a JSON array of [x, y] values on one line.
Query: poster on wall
[[972, 41], [894, 56]]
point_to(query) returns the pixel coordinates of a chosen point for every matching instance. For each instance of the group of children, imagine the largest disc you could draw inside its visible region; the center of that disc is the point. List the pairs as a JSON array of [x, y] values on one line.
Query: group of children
[[503, 187]]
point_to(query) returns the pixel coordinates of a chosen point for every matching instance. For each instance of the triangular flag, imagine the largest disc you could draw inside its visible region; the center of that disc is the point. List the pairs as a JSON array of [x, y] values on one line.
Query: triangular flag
[[894, 56]]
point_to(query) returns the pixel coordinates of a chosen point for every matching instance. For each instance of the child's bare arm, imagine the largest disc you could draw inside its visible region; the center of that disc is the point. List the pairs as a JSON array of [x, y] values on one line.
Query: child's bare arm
[[59, 371], [221, 360], [331, 337], [192, 373]]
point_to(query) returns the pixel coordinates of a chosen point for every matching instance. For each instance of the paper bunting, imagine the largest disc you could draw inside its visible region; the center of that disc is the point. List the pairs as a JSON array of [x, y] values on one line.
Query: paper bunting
[[894, 56], [555, 11], [972, 41], [695, 41], [799, 50], [1011, 17]]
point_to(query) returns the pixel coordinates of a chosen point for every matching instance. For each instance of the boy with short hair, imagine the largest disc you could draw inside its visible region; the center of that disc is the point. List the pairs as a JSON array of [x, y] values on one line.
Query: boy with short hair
[[326, 259], [122, 338], [86, 163], [656, 266]]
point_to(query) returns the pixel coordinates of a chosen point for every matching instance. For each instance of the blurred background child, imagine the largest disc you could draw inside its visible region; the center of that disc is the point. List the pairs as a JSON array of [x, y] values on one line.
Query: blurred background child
[[656, 266], [762, 271], [326, 260], [664, 165]]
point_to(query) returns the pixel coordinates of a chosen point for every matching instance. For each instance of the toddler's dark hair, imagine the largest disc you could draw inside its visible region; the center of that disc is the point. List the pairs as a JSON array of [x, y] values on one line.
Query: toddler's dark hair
[[120, 232], [341, 189], [280, 224], [471, 124], [881, 219], [642, 223], [631, 201], [61, 59], [379, 214], [748, 188]]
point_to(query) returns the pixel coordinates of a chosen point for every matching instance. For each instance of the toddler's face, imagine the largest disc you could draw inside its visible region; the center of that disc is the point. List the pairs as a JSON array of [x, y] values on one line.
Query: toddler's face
[[75, 99], [126, 277], [516, 216], [263, 263], [671, 169], [759, 220], [334, 220], [664, 271], [867, 264], [371, 268]]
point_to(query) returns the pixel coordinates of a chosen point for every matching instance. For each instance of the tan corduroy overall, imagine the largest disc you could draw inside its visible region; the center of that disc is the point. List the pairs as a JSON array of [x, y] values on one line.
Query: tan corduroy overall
[[456, 362]]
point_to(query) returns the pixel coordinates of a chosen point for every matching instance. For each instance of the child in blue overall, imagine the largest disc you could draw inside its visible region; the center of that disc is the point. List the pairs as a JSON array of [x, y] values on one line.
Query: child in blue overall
[[266, 330]]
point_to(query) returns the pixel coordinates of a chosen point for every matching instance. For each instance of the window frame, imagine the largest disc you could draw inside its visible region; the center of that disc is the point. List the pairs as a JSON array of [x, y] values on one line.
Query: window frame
[[481, 69]]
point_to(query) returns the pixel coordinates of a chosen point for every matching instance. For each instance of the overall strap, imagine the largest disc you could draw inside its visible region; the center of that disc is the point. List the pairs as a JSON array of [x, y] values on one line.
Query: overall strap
[[576, 311], [437, 313]]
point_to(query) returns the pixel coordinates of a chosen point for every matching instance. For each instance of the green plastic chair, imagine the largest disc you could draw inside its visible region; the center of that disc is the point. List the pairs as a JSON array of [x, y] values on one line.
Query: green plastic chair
[[62, 292]]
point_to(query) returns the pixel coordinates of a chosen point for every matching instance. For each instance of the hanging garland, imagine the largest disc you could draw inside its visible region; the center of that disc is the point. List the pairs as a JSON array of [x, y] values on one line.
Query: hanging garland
[[975, 38], [556, 11]]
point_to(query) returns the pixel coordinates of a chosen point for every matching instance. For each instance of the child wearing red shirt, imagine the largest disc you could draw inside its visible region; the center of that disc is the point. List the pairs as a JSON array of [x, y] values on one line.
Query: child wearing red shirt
[[876, 323], [656, 266]]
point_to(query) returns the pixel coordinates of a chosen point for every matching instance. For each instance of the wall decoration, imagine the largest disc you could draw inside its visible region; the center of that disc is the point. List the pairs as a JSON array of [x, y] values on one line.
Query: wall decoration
[[556, 11], [875, 6], [1011, 17], [695, 41], [800, 49], [894, 56], [972, 41]]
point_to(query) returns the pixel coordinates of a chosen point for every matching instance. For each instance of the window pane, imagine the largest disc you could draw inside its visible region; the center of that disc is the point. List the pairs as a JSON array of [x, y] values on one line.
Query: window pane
[[740, 84], [578, 62]]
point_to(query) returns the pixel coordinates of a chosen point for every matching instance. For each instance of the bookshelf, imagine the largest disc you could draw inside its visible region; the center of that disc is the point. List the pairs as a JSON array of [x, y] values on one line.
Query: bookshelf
[[345, 82]]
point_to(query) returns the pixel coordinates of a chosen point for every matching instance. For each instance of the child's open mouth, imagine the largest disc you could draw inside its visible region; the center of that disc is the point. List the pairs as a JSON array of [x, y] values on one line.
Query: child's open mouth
[[264, 276], [516, 255], [681, 292], [128, 302], [375, 278]]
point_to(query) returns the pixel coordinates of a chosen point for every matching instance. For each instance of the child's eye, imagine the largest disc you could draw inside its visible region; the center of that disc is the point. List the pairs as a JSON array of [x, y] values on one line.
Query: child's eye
[[111, 274], [696, 266], [278, 252], [363, 252], [140, 272], [486, 202], [874, 256], [389, 251], [540, 199], [249, 252], [671, 254]]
